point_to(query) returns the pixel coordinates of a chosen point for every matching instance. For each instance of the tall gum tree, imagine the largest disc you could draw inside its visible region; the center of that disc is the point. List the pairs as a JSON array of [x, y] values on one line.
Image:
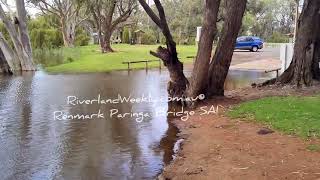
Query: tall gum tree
[[304, 67], [20, 56]]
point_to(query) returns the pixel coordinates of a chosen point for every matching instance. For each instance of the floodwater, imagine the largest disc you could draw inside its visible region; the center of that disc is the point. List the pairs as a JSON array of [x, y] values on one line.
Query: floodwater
[[34, 144]]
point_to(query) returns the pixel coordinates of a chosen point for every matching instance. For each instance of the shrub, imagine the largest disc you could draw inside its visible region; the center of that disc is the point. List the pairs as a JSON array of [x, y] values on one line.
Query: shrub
[[148, 38], [125, 36], [277, 37], [45, 38], [82, 38], [48, 57]]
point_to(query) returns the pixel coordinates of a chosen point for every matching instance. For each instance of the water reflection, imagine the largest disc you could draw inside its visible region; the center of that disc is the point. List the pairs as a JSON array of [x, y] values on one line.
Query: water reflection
[[35, 146]]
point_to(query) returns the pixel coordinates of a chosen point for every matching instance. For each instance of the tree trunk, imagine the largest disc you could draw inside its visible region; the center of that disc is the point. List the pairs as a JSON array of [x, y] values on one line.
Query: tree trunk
[[9, 55], [221, 61], [23, 29], [178, 82], [106, 46], [101, 41], [4, 66], [304, 67], [208, 32], [68, 32]]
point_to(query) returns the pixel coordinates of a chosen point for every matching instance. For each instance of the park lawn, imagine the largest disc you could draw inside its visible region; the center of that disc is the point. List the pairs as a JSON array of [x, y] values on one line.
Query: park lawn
[[90, 59], [292, 115]]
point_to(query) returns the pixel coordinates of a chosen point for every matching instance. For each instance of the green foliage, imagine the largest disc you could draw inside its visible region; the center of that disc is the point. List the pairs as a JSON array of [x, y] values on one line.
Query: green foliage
[[90, 59], [263, 17], [148, 38], [52, 57], [82, 38], [292, 115], [43, 32], [125, 36], [183, 17], [48, 57], [277, 37], [45, 38], [5, 34]]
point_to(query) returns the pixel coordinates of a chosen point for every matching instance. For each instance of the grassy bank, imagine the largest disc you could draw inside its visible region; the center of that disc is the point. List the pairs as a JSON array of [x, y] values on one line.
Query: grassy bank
[[90, 59], [292, 115]]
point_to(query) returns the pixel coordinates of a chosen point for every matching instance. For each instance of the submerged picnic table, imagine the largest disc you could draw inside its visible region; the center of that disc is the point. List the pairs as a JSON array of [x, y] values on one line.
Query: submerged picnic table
[[144, 61]]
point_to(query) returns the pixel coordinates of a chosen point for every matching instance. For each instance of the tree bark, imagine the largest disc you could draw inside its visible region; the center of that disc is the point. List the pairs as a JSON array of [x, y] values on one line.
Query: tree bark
[[201, 66], [24, 34], [221, 61], [24, 44], [304, 67]]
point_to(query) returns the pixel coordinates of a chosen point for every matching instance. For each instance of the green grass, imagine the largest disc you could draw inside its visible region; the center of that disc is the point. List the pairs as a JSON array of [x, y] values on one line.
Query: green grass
[[90, 59], [291, 115]]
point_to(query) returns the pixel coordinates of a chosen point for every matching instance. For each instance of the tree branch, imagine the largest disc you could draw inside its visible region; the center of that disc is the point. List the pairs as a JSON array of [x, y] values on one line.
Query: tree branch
[[150, 12]]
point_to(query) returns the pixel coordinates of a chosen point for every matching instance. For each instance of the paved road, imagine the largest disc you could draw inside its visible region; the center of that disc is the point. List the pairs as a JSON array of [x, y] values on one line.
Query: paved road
[[265, 59], [263, 54]]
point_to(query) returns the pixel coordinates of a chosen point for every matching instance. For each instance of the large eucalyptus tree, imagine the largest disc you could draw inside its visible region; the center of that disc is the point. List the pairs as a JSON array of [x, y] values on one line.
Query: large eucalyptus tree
[[19, 57], [107, 15]]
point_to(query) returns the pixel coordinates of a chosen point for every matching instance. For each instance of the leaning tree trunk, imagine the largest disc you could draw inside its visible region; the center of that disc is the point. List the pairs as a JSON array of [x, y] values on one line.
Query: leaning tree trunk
[[178, 82], [23, 30], [201, 65], [304, 67], [24, 45], [4, 66], [221, 61], [9, 55]]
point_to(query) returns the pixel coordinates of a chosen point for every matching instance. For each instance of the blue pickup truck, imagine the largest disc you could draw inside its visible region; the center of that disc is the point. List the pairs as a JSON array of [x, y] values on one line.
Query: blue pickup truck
[[249, 43]]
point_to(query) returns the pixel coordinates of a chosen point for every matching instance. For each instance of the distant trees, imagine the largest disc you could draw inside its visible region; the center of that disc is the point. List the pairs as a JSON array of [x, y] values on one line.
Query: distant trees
[[107, 15], [18, 57], [44, 33], [183, 17], [269, 19], [68, 12], [304, 68]]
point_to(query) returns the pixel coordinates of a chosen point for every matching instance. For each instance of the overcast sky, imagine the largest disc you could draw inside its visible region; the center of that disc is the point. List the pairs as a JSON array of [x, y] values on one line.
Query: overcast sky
[[30, 8]]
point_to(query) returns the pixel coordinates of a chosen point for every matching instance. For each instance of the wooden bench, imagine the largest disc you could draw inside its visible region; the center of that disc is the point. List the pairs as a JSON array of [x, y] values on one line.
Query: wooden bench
[[144, 61]]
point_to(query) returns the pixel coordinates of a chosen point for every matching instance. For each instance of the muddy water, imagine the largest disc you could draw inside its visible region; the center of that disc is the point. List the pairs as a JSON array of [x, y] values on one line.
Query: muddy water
[[35, 145]]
